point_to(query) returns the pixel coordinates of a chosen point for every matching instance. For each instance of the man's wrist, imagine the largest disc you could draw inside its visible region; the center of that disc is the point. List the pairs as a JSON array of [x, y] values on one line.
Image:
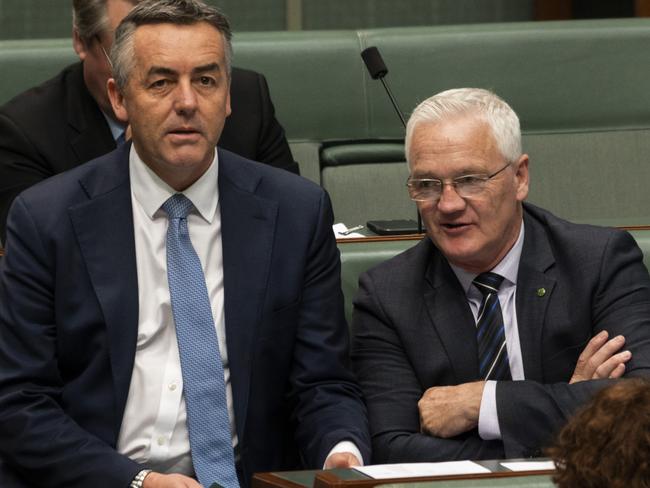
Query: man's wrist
[[138, 480]]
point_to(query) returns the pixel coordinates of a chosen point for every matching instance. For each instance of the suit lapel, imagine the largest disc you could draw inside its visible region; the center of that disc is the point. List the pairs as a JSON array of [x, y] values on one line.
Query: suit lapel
[[451, 317], [248, 229], [90, 134], [104, 229], [534, 290]]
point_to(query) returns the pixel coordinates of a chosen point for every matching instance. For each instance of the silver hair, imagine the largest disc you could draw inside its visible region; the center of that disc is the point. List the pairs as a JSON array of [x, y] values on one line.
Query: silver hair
[[477, 102], [90, 18], [178, 12]]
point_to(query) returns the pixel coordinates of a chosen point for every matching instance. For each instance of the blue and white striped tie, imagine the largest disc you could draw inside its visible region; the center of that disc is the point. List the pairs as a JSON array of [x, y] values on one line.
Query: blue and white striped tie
[[490, 331]]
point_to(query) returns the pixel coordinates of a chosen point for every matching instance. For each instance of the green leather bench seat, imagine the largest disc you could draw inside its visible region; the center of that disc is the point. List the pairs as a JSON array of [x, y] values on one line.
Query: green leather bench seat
[[580, 88]]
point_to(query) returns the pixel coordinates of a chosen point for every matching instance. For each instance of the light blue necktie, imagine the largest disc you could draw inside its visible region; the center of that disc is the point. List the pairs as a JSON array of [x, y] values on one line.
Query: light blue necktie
[[203, 381]]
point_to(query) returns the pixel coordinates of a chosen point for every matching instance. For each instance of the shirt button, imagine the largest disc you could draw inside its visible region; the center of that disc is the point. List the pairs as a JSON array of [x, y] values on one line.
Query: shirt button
[[172, 386], [161, 441]]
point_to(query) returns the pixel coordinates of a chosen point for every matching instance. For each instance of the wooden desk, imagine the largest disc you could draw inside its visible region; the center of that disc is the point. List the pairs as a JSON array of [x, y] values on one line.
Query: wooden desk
[[349, 478]]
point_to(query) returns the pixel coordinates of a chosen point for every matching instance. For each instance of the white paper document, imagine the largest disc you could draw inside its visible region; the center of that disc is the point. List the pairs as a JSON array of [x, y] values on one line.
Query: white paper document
[[529, 465], [341, 231], [415, 470]]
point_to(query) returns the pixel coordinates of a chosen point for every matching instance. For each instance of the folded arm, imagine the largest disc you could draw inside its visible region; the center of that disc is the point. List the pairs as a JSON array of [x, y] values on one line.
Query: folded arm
[[392, 390]]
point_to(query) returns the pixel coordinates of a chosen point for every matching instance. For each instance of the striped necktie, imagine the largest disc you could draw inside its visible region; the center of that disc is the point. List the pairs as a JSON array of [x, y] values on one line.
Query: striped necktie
[[490, 332], [204, 387]]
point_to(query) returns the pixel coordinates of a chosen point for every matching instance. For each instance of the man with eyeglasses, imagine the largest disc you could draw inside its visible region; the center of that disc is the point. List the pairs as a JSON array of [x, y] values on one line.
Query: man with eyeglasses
[[68, 120], [480, 341]]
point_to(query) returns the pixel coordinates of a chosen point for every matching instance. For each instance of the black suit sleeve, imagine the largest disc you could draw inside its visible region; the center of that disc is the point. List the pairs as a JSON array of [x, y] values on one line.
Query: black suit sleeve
[[252, 130], [21, 166], [328, 402], [531, 412], [272, 145], [392, 390]]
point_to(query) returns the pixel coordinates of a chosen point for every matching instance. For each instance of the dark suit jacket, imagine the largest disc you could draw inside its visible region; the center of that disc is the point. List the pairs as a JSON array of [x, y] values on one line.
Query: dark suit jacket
[[413, 329], [69, 320], [58, 125]]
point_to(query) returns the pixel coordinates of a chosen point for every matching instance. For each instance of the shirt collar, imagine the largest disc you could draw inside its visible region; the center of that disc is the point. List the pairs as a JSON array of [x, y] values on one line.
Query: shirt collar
[[508, 267], [116, 128], [151, 191]]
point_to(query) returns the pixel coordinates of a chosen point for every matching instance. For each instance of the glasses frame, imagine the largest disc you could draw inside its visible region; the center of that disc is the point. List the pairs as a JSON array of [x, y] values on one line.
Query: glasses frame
[[453, 182], [101, 46]]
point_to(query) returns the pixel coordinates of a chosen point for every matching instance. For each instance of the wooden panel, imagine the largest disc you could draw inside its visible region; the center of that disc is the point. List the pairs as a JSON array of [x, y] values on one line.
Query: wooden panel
[[642, 8], [553, 9]]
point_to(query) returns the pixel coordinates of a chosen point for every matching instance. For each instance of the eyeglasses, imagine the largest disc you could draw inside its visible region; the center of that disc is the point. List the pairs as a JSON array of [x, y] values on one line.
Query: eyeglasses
[[467, 186], [108, 58]]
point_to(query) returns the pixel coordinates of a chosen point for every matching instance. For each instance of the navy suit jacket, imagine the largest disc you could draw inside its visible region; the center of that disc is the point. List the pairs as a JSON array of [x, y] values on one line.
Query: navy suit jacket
[[413, 329], [69, 319], [58, 125]]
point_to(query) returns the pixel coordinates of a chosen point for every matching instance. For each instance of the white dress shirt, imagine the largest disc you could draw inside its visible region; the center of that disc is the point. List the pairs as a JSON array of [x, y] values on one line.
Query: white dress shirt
[[508, 267], [154, 426]]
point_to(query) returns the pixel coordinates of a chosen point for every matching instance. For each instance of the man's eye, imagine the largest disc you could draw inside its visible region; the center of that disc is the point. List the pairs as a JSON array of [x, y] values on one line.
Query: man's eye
[[470, 180], [428, 184], [206, 81], [159, 84]]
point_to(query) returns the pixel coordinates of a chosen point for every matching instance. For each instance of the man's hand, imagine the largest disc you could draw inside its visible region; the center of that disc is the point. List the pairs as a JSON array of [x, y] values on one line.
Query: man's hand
[[341, 460], [446, 411], [158, 480], [600, 359]]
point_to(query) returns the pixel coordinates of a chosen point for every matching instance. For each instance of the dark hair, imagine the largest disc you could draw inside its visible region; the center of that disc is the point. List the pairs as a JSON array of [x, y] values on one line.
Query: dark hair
[[179, 12], [90, 18], [607, 443]]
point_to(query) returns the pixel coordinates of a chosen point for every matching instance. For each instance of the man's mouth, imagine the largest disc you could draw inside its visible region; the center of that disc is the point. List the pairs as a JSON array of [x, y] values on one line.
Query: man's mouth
[[453, 225], [184, 130]]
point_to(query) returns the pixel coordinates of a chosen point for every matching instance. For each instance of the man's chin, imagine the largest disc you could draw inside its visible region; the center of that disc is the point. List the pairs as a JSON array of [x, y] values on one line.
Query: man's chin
[[190, 157]]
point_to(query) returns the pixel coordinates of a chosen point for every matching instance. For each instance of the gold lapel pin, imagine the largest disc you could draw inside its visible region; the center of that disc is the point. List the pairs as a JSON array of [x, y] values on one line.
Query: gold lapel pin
[[541, 292]]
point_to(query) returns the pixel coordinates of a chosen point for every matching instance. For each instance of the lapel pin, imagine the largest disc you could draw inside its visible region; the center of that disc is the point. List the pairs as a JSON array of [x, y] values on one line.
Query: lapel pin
[[541, 292]]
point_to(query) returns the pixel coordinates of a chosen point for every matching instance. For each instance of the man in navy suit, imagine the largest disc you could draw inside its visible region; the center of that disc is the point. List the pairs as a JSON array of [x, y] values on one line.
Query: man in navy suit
[[480, 341], [68, 120], [93, 378]]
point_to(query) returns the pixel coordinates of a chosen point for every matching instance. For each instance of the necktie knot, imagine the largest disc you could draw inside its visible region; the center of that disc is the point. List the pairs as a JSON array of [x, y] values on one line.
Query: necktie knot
[[488, 282], [178, 206]]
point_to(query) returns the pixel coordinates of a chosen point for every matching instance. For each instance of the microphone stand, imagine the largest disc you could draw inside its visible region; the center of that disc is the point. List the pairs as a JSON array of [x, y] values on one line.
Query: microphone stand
[[378, 70]]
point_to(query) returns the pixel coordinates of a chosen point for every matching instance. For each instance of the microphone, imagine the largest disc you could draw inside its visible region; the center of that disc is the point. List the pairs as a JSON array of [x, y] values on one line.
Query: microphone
[[377, 70]]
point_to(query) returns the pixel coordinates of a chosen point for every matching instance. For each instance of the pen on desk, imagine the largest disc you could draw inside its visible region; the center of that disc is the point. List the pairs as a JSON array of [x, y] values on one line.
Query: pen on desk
[[351, 230]]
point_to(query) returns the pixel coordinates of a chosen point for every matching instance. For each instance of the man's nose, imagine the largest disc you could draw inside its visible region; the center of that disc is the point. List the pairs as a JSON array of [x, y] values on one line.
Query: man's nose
[[186, 101], [450, 201]]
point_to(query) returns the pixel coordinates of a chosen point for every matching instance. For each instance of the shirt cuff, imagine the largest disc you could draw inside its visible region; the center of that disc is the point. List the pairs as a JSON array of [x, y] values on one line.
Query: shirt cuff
[[346, 446], [488, 419]]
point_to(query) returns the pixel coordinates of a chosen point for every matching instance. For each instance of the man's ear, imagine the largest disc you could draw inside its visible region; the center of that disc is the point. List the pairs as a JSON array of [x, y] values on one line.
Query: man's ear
[[117, 101], [79, 45], [523, 177]]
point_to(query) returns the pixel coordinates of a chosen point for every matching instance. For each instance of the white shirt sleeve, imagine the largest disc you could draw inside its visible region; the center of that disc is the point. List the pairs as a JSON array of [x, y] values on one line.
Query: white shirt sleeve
[[488, 419], [346, 446]]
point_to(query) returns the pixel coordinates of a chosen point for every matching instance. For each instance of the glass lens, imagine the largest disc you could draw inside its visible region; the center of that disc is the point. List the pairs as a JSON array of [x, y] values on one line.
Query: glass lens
[[426, 189], [470, 185]]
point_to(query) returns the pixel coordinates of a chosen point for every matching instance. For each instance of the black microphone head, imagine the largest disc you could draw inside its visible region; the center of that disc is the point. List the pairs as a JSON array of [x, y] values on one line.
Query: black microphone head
[[374, 63]]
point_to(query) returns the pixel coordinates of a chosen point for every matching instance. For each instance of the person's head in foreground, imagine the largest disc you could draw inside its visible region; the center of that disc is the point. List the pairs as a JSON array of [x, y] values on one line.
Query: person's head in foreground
[[607, 443]]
